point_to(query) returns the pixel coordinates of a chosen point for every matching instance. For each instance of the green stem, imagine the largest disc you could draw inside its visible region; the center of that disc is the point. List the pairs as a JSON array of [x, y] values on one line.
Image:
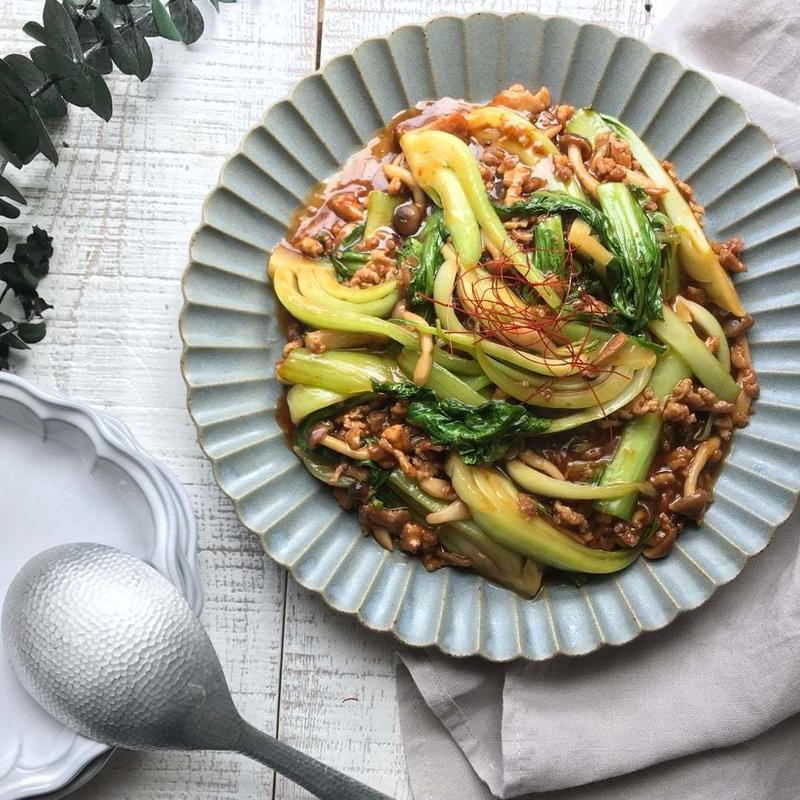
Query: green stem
[[639, 441], [43, 88]]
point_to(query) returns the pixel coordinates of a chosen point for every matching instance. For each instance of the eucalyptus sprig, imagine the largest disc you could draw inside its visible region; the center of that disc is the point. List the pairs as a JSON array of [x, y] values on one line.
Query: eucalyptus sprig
[[80, 42]]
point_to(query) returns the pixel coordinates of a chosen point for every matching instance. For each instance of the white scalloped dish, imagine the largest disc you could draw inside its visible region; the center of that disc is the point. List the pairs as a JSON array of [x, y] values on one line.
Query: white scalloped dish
[[73, 475], [232, 338]]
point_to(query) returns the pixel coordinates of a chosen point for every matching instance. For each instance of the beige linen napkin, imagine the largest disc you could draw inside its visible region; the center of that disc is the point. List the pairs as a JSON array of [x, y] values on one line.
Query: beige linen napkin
[[710, 706]]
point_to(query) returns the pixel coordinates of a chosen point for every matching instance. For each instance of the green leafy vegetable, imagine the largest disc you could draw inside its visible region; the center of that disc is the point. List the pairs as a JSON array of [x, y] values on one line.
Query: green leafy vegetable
[[480, 434], [668, 240], [633, 274], [426, 250], [345, 261], [549, 255], [553, 203]]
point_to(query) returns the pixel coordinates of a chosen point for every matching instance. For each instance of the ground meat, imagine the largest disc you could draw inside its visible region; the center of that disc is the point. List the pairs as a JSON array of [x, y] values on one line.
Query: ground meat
[[627, 534], [393, 519], [563, 114], [527, 505], [605, 169], [728, 253], [443, 558], [415, 538], [675, 411], [493, 156], [520, 181], [378, 269], [682, 186], [723, 426], [487, 176], [620, 151], [398, 436], [696, 398], [346, 206], [520, 99], [748, 381], [611, 158], [309, 247], [562, 169], [678, 459], [644, 403], [564, 515]]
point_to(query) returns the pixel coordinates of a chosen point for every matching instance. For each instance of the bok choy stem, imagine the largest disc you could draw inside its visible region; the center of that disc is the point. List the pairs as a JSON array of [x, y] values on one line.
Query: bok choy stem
[[493, 502], [639, 440], [487, 557]]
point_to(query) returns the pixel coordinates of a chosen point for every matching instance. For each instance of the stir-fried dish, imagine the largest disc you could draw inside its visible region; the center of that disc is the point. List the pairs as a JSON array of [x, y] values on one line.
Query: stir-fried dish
[[511, 346]]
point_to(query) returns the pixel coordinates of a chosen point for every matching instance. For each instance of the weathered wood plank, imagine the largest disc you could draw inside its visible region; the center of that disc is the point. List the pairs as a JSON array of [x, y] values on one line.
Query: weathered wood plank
[[121, 205]]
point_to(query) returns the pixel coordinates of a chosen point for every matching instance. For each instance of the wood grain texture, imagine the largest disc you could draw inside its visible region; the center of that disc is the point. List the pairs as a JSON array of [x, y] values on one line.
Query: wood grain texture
[[122, 205]]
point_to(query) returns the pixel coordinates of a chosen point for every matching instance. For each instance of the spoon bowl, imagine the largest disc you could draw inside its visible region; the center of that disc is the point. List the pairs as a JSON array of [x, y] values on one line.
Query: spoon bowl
[[111, 649]]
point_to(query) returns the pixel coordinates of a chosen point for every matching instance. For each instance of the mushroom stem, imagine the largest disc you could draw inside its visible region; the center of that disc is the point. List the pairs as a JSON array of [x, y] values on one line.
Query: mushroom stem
[[455, 512], [422, 370], [643, 182], [699, 460], [542, 464], [337, 445], [588, 181], [405, 176], [662, 546], [383, 538], [438, 488]]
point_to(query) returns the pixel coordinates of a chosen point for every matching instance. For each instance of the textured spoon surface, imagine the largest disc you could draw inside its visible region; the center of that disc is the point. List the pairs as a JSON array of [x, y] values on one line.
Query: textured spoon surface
[[110, 648]]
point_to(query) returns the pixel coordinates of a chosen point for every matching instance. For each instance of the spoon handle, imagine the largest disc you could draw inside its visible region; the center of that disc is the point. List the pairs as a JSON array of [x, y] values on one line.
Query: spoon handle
[[322, 781]]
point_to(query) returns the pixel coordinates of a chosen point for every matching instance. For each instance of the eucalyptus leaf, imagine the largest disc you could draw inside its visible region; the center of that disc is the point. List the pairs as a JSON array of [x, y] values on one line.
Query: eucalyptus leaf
[[3, 239], [13, 341], [163, 22], [48, 103], [7, 189], [90, 39], [144, 56], [187, 19], [18, 277], [122, 53], [19, 135], [103, 104], [8, 210], [31, 332], [60, 29], [36, 31], [72, 81], [101, 61]]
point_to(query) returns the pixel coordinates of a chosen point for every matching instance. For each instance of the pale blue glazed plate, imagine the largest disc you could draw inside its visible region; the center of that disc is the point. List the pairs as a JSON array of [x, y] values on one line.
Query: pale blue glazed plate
[[232, 340]]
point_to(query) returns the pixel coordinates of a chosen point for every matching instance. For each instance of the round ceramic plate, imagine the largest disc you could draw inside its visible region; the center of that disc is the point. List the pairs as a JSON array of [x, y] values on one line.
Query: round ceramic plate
[[73, 475], [232, 339]]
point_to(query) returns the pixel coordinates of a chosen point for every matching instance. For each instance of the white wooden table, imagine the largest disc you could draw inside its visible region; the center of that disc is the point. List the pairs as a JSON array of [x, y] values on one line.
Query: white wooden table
[[121, 205]]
